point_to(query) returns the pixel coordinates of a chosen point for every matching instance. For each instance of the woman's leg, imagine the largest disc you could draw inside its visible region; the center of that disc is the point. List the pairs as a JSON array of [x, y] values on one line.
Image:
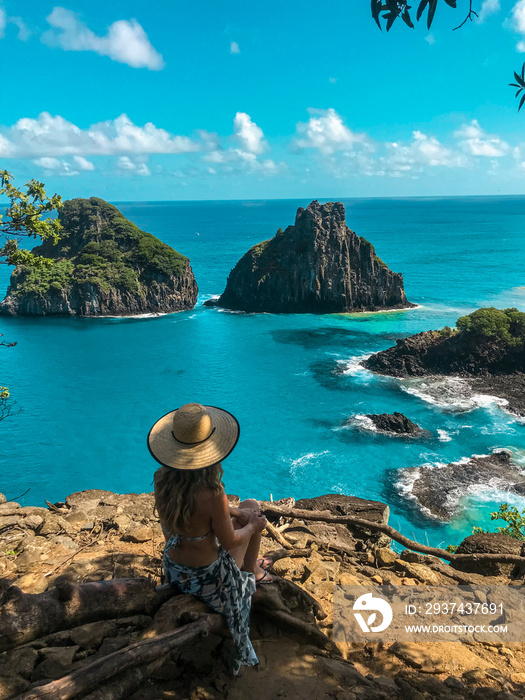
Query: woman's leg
[[246, 554]]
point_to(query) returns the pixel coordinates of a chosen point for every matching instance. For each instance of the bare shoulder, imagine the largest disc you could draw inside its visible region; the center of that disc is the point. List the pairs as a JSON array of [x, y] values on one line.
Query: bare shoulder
[[211, 499]]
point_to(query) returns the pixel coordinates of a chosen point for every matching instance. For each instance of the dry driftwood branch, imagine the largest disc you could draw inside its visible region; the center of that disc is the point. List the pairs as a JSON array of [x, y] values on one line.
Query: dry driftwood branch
[[27, 616], [323, 516], [87, 678], [274, 532], [276, 554]]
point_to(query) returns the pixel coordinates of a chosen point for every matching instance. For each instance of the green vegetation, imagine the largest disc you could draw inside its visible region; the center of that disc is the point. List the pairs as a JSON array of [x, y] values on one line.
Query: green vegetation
[[99, 246], [515, 520], [447, 331], [507, 325], [515, 526], [55, 275], [25, 217], [376, 257]]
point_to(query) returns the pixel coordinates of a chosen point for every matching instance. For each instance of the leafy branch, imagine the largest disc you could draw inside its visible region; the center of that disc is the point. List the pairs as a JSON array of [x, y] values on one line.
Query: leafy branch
[[520, 84], [393, 9], [25, 216]]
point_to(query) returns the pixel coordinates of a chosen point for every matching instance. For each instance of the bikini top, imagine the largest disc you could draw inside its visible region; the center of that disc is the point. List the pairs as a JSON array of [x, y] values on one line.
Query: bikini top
[[175, 539]]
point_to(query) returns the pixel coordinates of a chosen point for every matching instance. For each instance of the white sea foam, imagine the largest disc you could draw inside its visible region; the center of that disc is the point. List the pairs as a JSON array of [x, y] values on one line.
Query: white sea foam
[[307, 460], [353, 367], [444, 436], [363, 422], [449, 393]]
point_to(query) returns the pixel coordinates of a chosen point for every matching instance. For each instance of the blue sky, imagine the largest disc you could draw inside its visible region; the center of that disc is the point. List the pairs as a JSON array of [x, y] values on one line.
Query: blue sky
[[236, 100]]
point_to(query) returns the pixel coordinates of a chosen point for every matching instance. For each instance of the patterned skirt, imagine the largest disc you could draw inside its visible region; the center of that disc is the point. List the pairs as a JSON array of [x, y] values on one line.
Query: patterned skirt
[[227, 590]]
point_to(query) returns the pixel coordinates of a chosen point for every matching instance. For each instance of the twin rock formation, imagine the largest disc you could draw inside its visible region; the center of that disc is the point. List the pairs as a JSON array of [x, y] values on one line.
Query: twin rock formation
[[105, 265]]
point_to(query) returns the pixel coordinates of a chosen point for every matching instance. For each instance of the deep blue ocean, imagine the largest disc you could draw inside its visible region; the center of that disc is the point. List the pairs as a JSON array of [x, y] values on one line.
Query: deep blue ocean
[[88, 390]]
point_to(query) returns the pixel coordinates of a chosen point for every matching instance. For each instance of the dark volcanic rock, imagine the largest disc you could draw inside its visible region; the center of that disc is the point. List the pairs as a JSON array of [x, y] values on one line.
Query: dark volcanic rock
[[462, 354], [395, 423], [438, 489], [103, 265], [316, 266], [492, 365], [489, 543]]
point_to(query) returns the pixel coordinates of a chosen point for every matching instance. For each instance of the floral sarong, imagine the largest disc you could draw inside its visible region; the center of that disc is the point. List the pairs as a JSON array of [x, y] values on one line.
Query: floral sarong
[[225, 588]]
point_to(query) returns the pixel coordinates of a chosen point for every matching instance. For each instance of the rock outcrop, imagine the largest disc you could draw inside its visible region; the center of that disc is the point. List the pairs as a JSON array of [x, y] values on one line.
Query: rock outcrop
[[438, 490], [487, 348], [490, 543], [394, 423], [103, 265], [317, 265]]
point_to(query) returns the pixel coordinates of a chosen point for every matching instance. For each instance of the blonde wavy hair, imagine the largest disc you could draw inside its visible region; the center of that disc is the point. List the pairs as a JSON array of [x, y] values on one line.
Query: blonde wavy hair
[[176, 493]]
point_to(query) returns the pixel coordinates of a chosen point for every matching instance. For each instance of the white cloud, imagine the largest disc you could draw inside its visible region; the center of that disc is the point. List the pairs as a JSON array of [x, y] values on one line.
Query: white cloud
[[249, 135], [326, 132], [517, 22], [430, 39], [476, 142], [332, 80], [125, 163], [54, 166], [125, 40], [423, 151], [488, 7], [234, 47], [83, 163], [3, 22], [55, 136], [244, 155]]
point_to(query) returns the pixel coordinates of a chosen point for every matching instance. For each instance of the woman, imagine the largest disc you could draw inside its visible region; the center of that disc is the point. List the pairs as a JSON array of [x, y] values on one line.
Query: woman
[[211, 548]]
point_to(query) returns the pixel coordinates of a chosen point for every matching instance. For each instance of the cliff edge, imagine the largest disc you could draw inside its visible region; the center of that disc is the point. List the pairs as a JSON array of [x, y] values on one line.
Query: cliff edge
[[318, 265], [103, 265]]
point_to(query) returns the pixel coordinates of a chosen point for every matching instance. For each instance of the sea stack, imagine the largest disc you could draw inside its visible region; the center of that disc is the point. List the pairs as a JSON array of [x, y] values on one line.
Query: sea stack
[[318, 265], [103, 265]]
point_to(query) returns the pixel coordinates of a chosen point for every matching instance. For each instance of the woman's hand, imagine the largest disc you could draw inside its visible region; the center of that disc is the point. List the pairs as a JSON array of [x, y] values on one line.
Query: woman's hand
[[258, 521]]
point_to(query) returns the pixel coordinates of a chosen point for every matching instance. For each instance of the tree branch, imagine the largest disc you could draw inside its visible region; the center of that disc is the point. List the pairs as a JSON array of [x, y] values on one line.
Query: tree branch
[[324, 516]]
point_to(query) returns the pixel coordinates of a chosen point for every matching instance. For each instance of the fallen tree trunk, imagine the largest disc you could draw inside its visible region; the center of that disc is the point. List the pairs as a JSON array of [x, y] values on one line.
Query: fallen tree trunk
[[27, 616], [89, 677], [326, 517]]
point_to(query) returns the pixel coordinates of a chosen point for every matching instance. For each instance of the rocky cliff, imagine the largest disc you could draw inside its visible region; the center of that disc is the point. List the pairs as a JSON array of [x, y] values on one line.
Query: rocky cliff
[[487, 347], [317, 265], [103, 265]]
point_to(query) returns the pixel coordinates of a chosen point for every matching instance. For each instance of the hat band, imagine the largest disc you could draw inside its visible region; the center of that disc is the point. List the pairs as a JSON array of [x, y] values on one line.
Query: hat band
[[193, 443]]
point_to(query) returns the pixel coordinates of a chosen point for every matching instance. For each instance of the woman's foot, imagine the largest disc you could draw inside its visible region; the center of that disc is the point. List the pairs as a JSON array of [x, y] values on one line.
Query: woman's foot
[[265, 578], [265, 563]]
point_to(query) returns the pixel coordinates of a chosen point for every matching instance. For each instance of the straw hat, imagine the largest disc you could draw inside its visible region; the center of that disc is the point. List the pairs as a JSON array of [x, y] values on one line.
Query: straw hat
[[193, 437]]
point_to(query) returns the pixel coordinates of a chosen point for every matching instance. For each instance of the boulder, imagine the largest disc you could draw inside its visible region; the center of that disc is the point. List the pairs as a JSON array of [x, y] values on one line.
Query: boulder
[[395, 423], [487, 543], [339, 504]]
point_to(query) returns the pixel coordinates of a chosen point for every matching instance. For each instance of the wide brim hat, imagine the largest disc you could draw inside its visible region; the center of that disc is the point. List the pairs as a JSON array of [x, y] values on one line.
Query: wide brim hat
[[193, 436]]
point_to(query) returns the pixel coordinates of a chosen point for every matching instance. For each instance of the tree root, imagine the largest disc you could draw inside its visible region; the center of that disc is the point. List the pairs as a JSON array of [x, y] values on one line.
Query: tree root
[[89, 677], [25, 616]]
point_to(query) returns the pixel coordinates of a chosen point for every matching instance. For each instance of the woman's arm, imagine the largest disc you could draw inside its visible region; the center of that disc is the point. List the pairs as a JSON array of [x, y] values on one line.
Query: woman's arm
[[221, 522]]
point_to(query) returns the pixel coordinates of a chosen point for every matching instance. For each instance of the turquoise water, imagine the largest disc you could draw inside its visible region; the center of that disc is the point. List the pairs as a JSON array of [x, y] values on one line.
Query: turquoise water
[[88, 390]]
